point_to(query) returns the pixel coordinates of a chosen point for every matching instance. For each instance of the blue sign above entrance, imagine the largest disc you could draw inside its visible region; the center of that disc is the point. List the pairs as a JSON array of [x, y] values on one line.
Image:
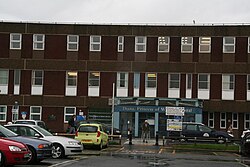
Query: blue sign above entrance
[[153, 109]]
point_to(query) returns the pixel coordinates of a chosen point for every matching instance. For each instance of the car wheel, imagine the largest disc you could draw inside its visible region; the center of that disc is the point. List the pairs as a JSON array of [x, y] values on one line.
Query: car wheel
[[33, 158], [58, 151], [2, 159], [101, 145], [221, 140]]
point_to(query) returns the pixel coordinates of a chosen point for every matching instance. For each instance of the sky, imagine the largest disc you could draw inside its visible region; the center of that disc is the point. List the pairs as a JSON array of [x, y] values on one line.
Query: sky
[[127, 11]]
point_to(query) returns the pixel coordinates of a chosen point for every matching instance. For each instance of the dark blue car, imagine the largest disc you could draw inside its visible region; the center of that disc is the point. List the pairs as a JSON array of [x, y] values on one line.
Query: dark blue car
[[40, 149]]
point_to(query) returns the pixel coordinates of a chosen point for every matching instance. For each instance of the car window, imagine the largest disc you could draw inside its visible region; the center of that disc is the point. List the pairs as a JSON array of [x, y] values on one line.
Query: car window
[[41, 124], [43, 131], [191, 127], [89, 129], [27, 131], [204, 128], [6, 132]]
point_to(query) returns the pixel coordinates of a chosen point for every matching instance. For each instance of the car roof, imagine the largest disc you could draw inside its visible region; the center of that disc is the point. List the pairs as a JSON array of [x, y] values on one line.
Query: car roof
[[29, 120], [90, 124], [21, 125]]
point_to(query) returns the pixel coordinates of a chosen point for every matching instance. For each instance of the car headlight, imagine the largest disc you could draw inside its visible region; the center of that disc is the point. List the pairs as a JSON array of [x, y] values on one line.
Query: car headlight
[[43, 146], [74, 142], [14, 148]]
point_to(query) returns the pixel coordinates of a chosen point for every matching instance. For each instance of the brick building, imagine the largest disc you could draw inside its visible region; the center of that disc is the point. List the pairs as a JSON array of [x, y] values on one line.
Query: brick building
[[51, 71]]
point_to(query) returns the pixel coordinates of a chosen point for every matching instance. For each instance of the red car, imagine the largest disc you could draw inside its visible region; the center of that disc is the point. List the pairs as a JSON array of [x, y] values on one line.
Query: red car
[[13, 153]]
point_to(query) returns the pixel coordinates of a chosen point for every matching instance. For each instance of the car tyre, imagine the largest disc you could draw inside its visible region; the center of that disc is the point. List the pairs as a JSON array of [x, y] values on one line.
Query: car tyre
[[33, 158], [2, 159], [58, 151], [101, 145]]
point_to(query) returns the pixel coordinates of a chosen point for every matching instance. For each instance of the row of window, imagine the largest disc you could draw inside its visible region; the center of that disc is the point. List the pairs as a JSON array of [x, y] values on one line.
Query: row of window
[[140, 43], [174, 81]]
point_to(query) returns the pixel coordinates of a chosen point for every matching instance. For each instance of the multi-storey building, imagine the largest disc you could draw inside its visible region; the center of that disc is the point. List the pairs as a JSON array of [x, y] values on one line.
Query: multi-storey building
[[52, 71]]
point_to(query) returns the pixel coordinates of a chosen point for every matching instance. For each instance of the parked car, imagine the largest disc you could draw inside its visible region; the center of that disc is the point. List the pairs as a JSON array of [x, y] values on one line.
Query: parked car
[[92, 135], [190, 129], [40, 149], [245, 143], [13, 153], [63, 146], [31, 122]]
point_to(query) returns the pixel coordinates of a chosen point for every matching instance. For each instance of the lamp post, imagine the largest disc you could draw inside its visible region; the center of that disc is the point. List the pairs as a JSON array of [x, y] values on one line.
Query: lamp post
[[15, 109], [113, 108]]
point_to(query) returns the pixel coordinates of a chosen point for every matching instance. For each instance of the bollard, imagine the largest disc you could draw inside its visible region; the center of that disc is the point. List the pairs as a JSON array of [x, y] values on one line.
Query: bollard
[[163, 140], [156, 139], [130, 136]]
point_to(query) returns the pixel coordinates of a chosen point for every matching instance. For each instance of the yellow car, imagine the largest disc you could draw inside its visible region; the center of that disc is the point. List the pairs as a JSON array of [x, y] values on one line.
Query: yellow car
[[92, 135]]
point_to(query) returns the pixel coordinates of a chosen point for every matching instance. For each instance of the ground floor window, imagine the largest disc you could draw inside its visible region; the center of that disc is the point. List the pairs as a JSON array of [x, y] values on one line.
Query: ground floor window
[[247, 121], [211, 119], [3, 112], [68, 112], [223, 120], [35, 112]]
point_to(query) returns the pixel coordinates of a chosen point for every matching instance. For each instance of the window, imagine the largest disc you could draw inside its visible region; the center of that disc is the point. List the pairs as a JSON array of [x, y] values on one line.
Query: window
[[37, 78], [95, 43], [120, 43], [140, 44], [3, 113], [71, 78], [137, 80], [4, 77], [228, 44], [15, 41], [222, 120], [38, 41], [203, 81], [94, 78], [174, 81], [122, 80], [35, 112], [163, 44], [235, 120], [248, 44], [72, 42], [151, 80], [17, 75], [227, 82], [205, 44], [187, 44], [248, 82], [247, 121], [211, 119], [189, 81], [68, 113]]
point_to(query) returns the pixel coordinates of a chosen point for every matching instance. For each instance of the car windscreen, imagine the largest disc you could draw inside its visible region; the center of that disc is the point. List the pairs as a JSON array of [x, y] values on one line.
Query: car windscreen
[[25, 122], [4, 132], [88, 129], [43, 131]]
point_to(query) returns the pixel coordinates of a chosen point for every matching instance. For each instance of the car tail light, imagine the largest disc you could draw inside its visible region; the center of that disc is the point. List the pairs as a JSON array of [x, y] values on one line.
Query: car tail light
[[98, 134], [76, 134]]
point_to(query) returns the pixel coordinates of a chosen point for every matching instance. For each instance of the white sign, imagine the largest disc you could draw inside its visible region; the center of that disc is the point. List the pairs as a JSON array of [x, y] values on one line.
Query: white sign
[[174, 125], [178, 111]]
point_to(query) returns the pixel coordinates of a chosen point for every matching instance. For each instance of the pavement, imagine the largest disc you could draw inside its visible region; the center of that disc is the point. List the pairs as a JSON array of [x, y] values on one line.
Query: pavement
[[139, 141]]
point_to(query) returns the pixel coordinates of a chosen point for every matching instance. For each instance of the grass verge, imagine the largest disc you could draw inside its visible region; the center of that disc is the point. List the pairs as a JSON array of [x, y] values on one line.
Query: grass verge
[[218, 147]]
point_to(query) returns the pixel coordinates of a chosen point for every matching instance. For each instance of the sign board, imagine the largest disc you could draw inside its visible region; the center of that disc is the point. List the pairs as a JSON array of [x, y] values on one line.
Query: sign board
[[174, 125], [151, 121], [178, 111]]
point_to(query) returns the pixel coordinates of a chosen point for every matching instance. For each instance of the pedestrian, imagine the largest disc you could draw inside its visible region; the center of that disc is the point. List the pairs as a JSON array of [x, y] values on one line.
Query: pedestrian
[[145, 131], [230, 127], [72, 124]]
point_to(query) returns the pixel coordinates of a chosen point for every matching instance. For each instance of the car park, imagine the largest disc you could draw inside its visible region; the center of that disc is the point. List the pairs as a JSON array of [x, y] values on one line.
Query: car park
[[199, 130], [13, 153], [63, 146], [40, 149], [92, 135]]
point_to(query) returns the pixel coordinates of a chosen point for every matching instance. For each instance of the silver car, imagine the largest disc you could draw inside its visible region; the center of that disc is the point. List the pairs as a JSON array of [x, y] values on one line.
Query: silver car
[[63, 146]]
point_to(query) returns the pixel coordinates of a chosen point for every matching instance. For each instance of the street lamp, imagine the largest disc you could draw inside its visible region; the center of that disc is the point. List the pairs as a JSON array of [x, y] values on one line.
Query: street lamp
[[15, 109]]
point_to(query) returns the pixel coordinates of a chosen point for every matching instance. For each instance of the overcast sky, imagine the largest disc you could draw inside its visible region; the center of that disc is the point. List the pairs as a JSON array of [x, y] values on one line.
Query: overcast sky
[[127, 11]]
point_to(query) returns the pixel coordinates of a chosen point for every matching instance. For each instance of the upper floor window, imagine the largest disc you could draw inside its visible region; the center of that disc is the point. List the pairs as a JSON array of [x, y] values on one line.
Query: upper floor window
[[15, 41], [37, 77], [122, 80], [228, 44], [94, 78], [187, 44], [151, 80], [71, 78], [174, 81], [140, 44], [120, 43], [248, 44], [36, 112], [72, 42], [95, 43], [205, 44], [163, 44], [3, 113], [4, 77], [227, 82], [203, 81], [38, 41]]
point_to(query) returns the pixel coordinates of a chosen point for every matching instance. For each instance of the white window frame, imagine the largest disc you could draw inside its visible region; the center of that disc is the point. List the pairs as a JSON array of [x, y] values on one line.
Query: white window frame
[[153, 80], [37, 42], [228, 45], [4, 113], [163, 42], [119, 80], [72, 43], [68, 114], [227, 83], [205, 42], [139, 43], [95, 43], [207, 82], [246, 121], [248, 45], [187, 81], [248, 82], [6, 78], [235, 120], [94, 79], [71, 75], [186, 43], [36, 114], [175, 81], [211, 119], [223, 120], [15, 41], [120, 45], [34, 77]]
